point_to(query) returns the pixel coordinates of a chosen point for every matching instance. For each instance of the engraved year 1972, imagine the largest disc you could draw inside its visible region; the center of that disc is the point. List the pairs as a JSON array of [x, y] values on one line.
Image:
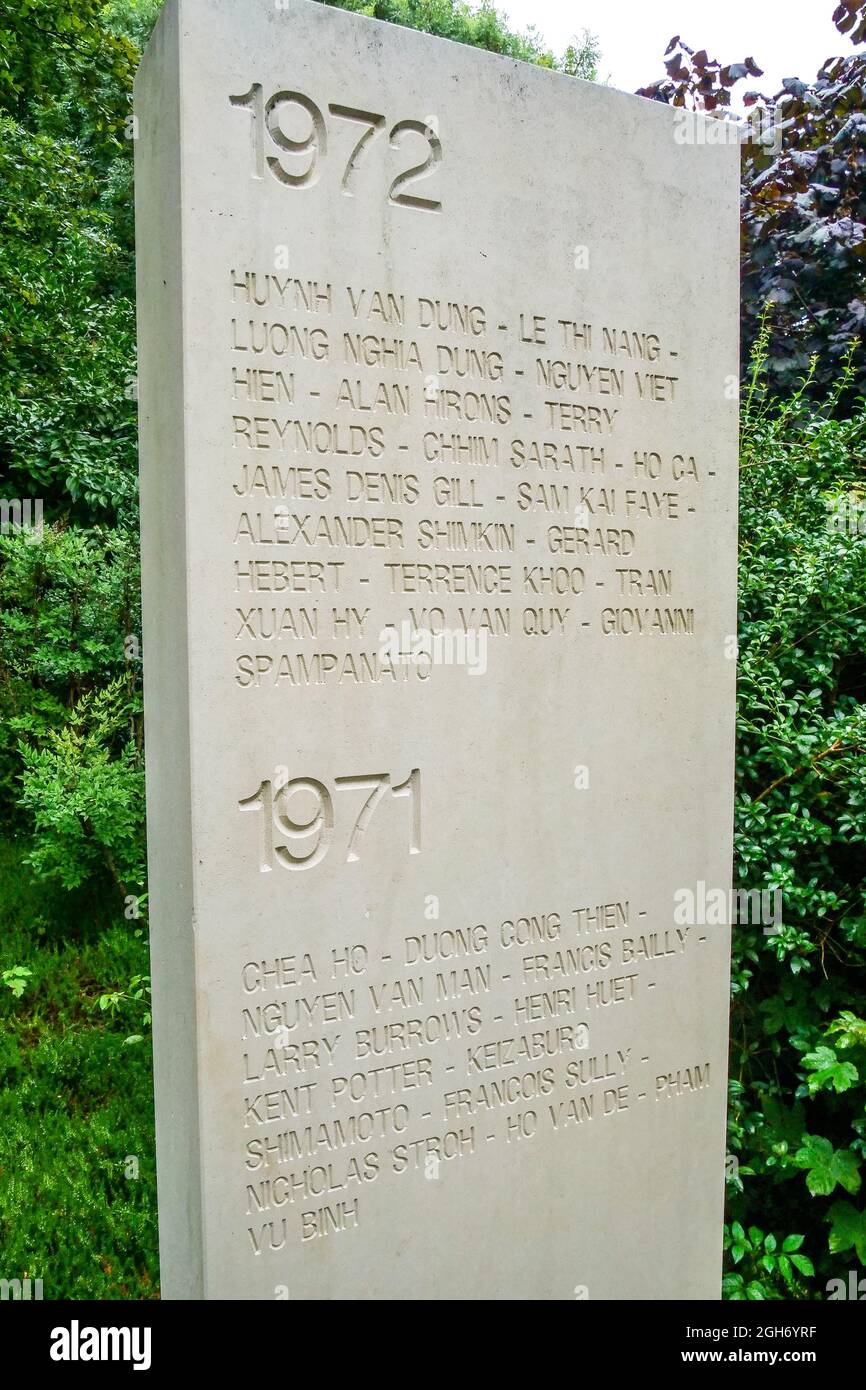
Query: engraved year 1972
[[311, 150]]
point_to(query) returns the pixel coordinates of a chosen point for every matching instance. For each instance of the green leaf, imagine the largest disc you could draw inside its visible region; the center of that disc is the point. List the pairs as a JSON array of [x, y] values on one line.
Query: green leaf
[[827, 1166], [847, 1229], [827, 1071]]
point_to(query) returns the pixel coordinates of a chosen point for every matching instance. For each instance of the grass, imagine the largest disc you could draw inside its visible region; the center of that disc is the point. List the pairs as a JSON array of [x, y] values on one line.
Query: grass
[[77, 1176]]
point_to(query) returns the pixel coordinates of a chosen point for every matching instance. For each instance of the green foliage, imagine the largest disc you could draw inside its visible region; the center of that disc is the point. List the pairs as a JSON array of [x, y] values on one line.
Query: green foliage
[[67, 426], [848, 1230], [87, 803], [76, 1103], [68, 599], [132, 20], [69, 699], [798, 1127], [62, 69], [764, 1266], [67, 324], [827, 1166], [137, 993], [482, 27], [15, 978]]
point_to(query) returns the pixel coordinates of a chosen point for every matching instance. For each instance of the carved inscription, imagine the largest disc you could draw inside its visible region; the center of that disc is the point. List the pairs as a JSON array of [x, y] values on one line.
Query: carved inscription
[[416, 454], [410, 431]]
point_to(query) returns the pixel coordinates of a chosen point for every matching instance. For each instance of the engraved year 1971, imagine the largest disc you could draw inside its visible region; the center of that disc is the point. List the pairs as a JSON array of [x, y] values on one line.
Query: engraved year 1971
[[318, 828]]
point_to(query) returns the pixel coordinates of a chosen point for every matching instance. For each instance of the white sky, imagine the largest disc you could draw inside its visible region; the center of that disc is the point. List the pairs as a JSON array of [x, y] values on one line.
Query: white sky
[[787, 38]]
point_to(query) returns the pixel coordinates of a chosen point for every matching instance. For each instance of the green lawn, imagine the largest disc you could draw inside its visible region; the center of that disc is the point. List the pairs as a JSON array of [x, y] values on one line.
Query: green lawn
[[76, 1100]]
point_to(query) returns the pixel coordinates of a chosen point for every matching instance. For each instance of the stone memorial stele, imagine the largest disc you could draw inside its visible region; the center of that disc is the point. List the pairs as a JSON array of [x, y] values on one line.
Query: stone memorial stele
[[438, 361]]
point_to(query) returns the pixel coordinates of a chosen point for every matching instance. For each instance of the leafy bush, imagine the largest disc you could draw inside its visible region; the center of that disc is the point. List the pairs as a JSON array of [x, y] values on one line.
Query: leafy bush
[[483, 26], [69, 698], [798, 1051], [67, 419], [87, 805]]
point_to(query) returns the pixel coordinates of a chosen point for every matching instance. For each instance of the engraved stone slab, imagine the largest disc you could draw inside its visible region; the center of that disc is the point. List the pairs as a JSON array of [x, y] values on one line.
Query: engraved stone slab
[[438, 465]]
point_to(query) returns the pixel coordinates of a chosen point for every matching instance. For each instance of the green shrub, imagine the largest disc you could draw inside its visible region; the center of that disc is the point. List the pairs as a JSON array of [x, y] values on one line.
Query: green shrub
[[798, 1047]]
